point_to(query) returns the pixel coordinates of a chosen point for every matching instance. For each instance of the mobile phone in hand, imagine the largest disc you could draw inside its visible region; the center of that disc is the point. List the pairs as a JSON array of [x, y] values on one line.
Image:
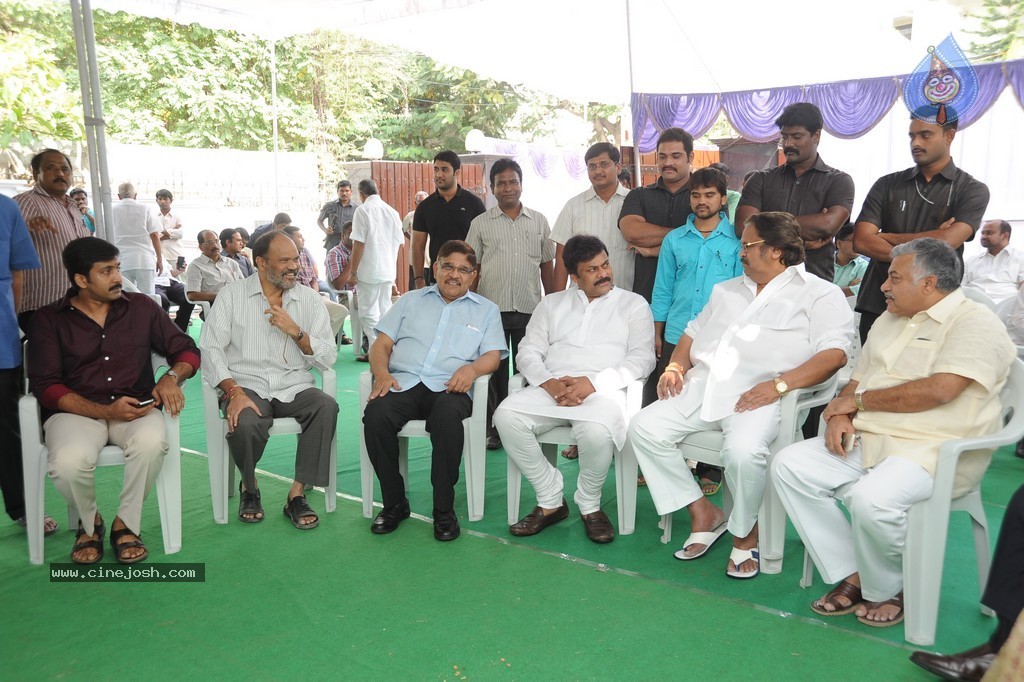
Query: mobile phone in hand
[[146, 403], [849, 440]]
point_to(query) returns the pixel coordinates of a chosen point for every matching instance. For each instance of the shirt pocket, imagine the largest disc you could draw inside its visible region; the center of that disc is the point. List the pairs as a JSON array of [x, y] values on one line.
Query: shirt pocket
[[916, 359], [464, 342], [534, 243]]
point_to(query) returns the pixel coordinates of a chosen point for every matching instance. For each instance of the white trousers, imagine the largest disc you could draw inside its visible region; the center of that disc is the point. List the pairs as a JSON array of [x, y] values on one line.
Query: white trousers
[[656, 432], [74, 443], [337, 314], [519, 433], [145, 280], [807, 475], [374, 301]]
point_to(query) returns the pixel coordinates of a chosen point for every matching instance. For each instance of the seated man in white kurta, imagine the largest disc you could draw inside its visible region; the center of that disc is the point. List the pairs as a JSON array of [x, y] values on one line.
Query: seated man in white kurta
[[761, 335], [583, 347], [931, 371]]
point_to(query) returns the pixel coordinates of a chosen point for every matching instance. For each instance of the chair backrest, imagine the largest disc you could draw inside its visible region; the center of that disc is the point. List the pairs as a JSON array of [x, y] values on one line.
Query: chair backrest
[[1005, 307], [979, 296]]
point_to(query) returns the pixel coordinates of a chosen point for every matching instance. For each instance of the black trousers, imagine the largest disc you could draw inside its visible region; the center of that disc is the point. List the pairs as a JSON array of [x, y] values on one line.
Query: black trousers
[[384, 417], [175, 293], [514, 325], [1004, 592], [12, 483]]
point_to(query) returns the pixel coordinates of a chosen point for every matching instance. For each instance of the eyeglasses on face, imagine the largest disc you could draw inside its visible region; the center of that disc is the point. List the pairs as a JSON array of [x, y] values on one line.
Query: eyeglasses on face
[[747, 245], [448, 268], [604, 165]]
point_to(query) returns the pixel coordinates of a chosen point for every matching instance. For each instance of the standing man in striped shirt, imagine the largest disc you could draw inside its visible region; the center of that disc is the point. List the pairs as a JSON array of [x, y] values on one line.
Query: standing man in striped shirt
[[53, 220], [513, 245], [596, 212]]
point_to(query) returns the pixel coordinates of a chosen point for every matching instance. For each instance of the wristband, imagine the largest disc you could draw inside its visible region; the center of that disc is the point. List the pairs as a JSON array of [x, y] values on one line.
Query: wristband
[[231, 390], [674, 370]]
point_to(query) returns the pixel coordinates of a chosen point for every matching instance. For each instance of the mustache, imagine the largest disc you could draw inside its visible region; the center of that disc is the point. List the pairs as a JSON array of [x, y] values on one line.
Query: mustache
[[603, 280], [790, 150]]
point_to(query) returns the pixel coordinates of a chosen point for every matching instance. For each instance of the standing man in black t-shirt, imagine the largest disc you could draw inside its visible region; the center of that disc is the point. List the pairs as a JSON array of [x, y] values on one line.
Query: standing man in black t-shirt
[[649, 213], [444, 215], [819, 196], [933, 198]]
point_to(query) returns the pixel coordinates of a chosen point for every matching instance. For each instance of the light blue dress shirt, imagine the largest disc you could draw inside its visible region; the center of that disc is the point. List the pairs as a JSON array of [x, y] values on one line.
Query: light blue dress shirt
[[433, 338]]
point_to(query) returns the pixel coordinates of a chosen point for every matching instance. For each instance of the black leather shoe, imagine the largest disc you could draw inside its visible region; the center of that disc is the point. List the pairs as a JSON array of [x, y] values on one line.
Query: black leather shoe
[[1020, 449], [537, 520], [970, 665], [599, 528], [446, 526], [493, 443], [388, 519]]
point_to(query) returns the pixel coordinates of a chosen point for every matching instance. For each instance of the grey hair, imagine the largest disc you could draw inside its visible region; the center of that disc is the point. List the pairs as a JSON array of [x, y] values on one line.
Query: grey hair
[[368, 187], [126, 189], [933, 257]]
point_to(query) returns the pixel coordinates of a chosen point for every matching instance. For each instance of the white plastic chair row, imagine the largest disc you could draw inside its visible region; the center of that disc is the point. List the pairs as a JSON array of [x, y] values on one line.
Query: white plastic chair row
[[222, 469], [706, 446], [34, 460], [624, 461], [928, 521], [474, 451]]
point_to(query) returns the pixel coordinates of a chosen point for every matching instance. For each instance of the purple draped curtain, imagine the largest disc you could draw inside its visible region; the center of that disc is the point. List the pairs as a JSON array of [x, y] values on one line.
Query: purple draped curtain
[[850, 108]]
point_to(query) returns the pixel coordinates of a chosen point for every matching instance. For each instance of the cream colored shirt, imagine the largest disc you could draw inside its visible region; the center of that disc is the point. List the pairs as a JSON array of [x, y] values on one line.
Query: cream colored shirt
[[954, 336]]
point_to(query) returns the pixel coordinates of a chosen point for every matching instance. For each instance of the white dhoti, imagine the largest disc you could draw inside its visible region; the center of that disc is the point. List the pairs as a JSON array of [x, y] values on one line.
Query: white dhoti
[[807, 475], [598, 427], [374, 301], [655, 434]]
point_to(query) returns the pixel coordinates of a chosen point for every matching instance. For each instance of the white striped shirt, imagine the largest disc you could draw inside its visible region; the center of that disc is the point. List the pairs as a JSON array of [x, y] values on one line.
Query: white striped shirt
[[510, 253], [50, 282], [588, 213], [205, 275], [239, 343]]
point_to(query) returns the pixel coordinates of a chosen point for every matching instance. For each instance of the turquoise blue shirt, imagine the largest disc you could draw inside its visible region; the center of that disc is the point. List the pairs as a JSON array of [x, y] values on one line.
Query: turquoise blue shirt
[[688, 267], [433, 339]]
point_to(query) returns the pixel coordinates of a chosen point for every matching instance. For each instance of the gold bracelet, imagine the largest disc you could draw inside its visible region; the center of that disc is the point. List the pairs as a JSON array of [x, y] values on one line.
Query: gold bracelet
[[673, 369]]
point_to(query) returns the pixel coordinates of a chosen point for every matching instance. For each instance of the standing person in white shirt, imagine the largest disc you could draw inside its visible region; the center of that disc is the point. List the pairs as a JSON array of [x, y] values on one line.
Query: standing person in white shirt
[[582, 349], [596, 212], [774, 329], [376, 238], [137, 237], [262, 338], [170, 233], [998, 271]]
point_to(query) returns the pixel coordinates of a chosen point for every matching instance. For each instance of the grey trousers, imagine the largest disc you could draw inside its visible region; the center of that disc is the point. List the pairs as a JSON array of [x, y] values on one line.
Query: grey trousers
[[317, 414]]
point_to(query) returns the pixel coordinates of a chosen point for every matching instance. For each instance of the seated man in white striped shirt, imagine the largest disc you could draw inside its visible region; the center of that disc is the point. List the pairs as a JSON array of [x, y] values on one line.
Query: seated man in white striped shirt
[[263, 337]]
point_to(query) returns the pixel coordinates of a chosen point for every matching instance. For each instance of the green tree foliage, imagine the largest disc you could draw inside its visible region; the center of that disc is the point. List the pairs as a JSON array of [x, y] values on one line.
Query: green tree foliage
[[1000, 32]]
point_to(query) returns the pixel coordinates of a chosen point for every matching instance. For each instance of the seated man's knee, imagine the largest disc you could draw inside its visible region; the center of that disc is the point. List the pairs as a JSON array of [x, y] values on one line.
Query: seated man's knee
[[377, 416]]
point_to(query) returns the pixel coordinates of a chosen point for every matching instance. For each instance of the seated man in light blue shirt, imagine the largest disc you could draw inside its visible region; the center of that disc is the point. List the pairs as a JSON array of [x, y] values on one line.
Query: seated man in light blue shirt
[[431, 347]]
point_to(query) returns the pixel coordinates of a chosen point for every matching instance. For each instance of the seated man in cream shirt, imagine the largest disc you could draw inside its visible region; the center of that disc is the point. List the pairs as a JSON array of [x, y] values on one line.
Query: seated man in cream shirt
[[930, 371], [761, 335], [583, 347]]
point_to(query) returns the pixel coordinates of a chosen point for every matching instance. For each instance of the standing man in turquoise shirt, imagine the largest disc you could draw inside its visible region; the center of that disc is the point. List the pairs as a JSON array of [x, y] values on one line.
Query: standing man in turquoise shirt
[[694, 257]]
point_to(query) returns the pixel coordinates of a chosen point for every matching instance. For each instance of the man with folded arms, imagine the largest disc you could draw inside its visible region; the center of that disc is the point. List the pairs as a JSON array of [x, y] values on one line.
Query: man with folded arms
[[430, 348], [262, 338], [919, 382], [90, 367], [583, 347], [761, 335]]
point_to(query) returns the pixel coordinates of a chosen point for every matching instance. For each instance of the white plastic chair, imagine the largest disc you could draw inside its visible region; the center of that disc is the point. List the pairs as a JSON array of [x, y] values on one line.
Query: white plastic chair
[[222, 469], [624, 461], [353, 317], [979, 296], [205, 306], [34, 459], [1004, 308], [928, 521], [474, 452], [706, 446]]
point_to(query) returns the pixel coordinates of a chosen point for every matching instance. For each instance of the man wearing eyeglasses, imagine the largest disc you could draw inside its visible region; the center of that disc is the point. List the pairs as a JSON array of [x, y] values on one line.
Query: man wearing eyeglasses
[[596, 212], [933, 198], [207, 275], [761, 335], [431, 346]]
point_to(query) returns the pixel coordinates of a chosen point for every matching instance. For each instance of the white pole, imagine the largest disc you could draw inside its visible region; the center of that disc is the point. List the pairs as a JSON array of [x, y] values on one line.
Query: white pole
[[273, 98], [637, 181]]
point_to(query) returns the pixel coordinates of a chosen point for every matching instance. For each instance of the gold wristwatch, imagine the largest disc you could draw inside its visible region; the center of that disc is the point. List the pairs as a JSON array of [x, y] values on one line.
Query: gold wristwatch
[[781, 386]]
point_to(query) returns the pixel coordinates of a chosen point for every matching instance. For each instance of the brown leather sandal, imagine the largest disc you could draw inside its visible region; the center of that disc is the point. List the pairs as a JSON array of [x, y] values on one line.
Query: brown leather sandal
[[896, 601], [844, 589]]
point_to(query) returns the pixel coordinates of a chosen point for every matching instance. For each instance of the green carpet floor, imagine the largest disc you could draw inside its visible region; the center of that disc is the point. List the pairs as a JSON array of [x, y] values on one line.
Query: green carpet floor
[[339, 602]]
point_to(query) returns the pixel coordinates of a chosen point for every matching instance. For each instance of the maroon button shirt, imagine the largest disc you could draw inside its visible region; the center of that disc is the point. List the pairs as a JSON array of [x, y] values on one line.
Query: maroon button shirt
[[68, 352]]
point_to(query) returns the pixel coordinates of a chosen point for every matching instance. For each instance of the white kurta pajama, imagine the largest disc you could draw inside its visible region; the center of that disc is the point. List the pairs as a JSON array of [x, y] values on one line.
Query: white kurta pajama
[[740, 339], [609, 340]]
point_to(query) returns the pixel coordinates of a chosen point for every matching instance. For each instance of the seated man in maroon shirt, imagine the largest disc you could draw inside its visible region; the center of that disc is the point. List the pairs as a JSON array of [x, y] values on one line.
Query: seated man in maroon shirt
[[89, 366]]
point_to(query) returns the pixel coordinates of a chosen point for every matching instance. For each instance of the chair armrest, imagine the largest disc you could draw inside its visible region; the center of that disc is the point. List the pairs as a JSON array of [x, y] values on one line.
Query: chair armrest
[[31, 420], [516, 383]]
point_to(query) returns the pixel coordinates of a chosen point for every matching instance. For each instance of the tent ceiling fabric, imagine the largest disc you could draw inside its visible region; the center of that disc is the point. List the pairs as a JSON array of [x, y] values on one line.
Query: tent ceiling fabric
[[579, 49]]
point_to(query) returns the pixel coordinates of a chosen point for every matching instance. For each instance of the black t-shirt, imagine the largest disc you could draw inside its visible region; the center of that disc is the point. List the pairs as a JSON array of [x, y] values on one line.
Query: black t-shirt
[[820, 187], [445, 220], [658, 206], [903, 203]]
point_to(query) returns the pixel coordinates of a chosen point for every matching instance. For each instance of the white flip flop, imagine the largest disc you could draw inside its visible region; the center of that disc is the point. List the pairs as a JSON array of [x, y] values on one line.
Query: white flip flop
[[738, 556], [708, 538]]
